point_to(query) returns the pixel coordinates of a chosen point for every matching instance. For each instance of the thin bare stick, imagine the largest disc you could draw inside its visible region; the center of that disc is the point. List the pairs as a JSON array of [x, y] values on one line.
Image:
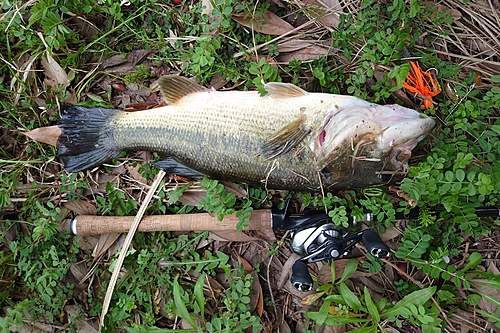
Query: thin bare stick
[[126, 244]]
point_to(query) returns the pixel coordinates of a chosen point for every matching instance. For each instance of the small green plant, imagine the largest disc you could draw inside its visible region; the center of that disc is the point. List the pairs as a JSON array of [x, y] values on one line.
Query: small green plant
[[342, 306]]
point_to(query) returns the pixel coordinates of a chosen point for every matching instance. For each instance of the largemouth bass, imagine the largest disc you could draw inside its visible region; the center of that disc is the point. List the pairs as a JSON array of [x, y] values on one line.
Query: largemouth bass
[[288, 139]]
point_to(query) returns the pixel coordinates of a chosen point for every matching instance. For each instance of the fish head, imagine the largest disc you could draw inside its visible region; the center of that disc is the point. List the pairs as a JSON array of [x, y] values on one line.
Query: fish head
[[367, 146]]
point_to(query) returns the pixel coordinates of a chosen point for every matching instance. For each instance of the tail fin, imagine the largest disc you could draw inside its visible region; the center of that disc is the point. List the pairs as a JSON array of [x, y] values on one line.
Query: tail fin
[[86, 140]]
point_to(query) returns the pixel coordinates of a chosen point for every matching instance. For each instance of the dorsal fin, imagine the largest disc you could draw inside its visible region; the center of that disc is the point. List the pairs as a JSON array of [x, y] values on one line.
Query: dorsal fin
[[174, 87], [283, 90]]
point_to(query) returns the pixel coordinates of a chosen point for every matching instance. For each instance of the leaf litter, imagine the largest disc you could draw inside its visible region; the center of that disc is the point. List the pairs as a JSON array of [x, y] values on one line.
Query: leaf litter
[[473, 41]]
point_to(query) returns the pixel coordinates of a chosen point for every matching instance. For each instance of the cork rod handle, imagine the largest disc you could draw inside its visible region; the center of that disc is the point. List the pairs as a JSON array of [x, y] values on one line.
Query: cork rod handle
[[84, 225]]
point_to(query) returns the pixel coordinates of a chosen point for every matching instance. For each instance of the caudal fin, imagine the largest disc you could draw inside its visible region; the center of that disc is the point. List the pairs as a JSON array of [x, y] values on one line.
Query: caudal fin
[[86, 139]]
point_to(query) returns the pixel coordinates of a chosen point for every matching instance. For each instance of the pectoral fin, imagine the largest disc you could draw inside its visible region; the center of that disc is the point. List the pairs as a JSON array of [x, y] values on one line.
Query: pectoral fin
[[285, 139], [173, 167]]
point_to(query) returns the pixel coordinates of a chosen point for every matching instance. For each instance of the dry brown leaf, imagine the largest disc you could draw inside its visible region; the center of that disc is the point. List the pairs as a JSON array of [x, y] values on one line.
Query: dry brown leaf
[[233, 236], [99, 185], [120, 66], [390, 234], [54, 71], [246, 265], [287, 270], [81, 207], [325, 273], [267, 23], [105, 242], [293, 45], [193, 196], [218, 82], [86, 28], [88, 243], [484, 304], [308, 53], [236, 189], [48, 135], [135, 174], [325, 11], [438, 8], [79, 270], [333, 329]]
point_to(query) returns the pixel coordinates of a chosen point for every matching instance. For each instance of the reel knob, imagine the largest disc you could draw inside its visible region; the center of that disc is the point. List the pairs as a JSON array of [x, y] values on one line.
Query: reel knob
[[301, 279], [374, 245]]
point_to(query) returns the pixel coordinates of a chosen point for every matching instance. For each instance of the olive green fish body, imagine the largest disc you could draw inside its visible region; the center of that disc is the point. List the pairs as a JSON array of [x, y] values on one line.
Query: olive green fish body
[[288, 139]]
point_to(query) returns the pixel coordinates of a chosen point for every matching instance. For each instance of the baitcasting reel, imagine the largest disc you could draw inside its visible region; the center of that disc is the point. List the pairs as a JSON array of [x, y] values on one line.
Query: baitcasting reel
[[317, 239]]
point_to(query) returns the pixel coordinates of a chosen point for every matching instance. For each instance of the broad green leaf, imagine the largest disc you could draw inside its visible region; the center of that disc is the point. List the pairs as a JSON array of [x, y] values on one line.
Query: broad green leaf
[[349, 297], [474, 259], [416, 297], [198, 294], [179, 304], [372, 309], [320, 319], [321, 316], [368, 329], [491, 317], [430, 329], [495, 78], [487, 282], [496, 128], [460, 175], [491, 299], [350, 268]]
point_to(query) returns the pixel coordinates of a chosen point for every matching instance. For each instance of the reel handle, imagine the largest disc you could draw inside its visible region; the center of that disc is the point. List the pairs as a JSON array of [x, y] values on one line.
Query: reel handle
[[301, 279], [374, 245]]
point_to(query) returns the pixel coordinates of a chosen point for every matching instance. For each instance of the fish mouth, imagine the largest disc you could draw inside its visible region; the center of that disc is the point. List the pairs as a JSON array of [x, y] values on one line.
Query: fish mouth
[[399, 139], [374, 142]]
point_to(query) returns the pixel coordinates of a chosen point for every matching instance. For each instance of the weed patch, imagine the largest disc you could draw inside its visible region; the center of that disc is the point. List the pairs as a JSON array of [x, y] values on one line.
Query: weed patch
[[443, 270]]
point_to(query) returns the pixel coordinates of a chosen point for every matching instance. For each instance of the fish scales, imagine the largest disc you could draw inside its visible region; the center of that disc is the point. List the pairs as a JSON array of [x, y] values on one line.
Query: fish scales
[[222, 136], [288, 139]]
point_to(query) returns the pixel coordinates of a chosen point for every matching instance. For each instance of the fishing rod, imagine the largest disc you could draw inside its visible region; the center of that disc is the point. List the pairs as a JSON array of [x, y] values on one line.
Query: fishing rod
[[314, 236]]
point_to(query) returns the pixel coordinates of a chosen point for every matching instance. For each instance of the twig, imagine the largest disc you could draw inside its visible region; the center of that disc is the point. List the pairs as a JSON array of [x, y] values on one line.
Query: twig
[[126, 244], [402, 194], [421, 286]]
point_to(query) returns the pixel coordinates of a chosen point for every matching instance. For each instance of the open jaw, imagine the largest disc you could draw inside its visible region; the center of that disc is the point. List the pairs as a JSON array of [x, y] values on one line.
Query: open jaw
[[380, 136]]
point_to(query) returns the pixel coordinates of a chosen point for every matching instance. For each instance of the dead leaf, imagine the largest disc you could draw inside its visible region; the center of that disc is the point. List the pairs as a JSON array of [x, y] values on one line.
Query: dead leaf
[[192, 196], [308, 53], [484, 304], [390, 234], [81, 207], [293, 45], [325, 11], [86, 28], [218, 82], [79, 270], [48, 135], [333, 329], [105, 242], [88, 243], [233, 236], [438, 8], [236, 189], [54, 71], [122, 65], [135, 174], [267, 23], [286, 271]]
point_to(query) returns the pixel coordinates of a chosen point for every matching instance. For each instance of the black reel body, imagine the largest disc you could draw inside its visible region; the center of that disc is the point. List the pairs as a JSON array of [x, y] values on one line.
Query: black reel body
[[315, 238]]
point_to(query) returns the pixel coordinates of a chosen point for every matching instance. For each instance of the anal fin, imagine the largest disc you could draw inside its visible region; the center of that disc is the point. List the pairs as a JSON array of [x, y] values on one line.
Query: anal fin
[[171, 166], [285, 139]]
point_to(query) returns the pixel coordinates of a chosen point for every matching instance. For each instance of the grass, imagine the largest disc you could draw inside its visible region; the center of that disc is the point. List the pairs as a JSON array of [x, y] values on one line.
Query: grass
[[175, 282]]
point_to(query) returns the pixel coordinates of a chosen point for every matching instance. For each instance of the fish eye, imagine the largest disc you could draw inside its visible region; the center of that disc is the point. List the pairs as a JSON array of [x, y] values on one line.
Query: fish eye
[[384, 177]]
